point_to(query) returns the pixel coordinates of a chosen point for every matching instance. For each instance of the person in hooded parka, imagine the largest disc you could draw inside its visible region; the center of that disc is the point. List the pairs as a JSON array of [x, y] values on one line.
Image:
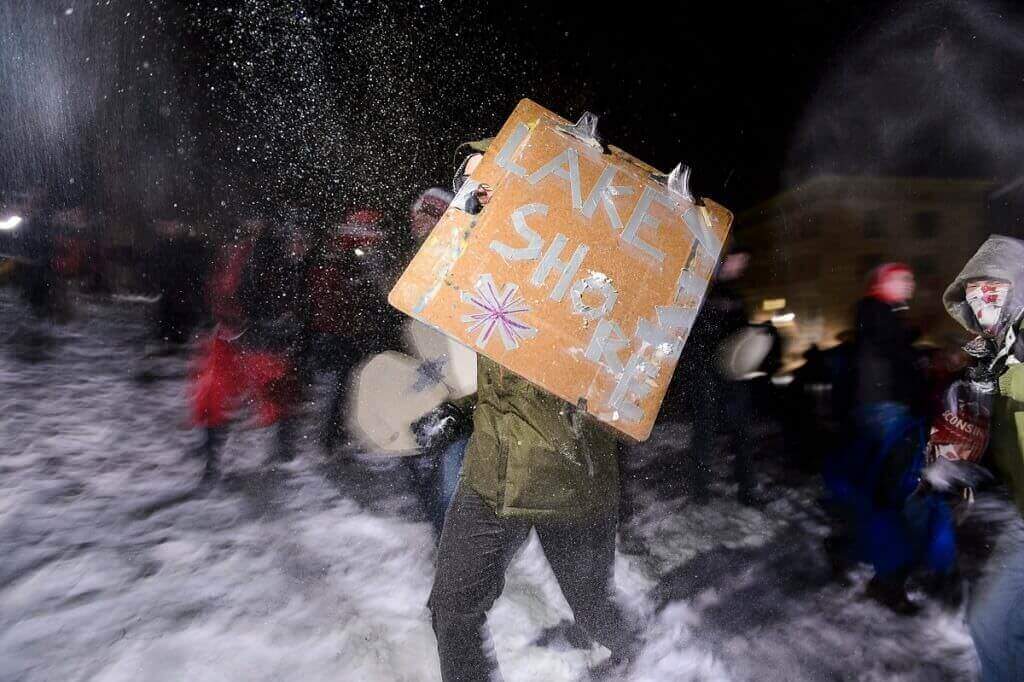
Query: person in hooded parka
[[987, 299]]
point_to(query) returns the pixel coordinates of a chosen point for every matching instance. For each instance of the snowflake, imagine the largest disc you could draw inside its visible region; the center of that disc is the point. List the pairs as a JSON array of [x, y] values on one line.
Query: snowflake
[[497, 312]]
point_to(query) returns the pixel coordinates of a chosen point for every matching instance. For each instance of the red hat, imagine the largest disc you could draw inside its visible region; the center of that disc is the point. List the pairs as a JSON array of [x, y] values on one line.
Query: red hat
[[362, 227], [363, 216], [427, 210]]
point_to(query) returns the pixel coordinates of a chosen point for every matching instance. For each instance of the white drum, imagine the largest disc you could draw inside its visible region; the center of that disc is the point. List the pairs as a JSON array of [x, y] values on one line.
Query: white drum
[[443, 357], [741, 354], [390, 393]]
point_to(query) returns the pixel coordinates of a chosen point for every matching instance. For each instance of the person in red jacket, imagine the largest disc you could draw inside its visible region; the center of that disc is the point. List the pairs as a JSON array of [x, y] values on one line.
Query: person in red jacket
[[249, 357], [345, 307]]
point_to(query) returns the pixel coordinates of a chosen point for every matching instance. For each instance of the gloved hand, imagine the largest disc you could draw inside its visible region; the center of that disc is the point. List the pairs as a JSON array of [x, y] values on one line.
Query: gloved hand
[[442, 425]]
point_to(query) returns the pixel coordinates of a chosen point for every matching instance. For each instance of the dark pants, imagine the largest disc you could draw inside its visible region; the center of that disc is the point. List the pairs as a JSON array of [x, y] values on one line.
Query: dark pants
[[476, 548], [339, 356], [721, 403]]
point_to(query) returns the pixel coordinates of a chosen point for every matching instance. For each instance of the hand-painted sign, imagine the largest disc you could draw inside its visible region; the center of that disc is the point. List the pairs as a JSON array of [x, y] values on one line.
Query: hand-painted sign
[[583, 273]]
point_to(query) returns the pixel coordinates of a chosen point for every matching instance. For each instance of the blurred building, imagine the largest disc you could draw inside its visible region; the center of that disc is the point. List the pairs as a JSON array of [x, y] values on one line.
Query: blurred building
[[814, 245], [1006, 208]]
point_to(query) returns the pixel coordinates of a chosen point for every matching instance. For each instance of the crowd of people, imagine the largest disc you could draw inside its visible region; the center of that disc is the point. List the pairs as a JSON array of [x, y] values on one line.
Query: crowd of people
[[902, 444], [283, 309]]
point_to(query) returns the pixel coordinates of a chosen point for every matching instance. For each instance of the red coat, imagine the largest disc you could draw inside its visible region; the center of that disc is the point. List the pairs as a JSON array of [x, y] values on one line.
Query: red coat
[[228, 376]]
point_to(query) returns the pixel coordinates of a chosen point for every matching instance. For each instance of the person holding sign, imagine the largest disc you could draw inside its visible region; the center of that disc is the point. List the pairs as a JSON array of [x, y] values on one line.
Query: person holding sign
[[533, 462]]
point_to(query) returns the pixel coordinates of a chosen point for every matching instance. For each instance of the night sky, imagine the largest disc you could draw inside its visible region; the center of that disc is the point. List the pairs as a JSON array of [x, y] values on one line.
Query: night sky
[[214, 109]]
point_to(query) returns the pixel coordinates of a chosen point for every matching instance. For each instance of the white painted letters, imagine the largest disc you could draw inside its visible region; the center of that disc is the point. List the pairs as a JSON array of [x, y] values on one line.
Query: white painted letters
[[641, 217], [605, 345], [566, 270], [534, 241], [504, 159]]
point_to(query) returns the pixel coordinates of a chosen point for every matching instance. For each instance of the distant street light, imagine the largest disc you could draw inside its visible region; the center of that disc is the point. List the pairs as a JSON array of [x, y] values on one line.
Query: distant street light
[[10, 223]]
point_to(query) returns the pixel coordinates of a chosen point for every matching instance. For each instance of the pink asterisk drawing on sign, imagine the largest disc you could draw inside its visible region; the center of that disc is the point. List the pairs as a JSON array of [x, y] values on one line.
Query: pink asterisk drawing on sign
[[497, 312]]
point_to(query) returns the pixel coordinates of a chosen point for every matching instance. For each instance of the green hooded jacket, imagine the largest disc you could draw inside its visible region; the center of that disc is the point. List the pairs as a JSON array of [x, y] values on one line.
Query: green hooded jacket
[[1000, 258], [532, 455]]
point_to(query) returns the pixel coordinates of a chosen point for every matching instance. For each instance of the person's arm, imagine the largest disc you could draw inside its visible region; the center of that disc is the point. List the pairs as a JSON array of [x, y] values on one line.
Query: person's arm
[[483, 193], [1011, 383]]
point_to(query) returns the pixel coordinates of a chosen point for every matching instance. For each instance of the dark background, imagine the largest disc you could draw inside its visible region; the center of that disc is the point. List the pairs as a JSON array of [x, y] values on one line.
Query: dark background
[[214, 110]]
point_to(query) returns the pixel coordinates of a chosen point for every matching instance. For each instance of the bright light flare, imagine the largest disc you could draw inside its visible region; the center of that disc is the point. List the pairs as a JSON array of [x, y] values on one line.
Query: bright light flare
[[10, 223], [782, 320]]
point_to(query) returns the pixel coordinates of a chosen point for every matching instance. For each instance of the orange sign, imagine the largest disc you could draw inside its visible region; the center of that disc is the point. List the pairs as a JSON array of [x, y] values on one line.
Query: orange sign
[[583, 274]]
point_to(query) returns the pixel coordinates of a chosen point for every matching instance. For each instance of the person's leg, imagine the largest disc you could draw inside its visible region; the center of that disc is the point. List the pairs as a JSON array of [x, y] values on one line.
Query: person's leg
[[213, 441], [448, 470], [886, 542], [342, 361], [704, 411], [738, 414], [997, 622], [284, 439], [476, 547], [582, 557]]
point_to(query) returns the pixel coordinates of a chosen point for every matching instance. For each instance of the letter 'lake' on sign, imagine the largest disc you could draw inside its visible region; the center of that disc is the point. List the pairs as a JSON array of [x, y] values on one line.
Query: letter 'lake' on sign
[[583, 274]]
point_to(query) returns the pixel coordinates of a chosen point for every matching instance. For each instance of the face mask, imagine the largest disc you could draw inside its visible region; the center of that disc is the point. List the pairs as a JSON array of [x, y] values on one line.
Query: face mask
[[987, 299]]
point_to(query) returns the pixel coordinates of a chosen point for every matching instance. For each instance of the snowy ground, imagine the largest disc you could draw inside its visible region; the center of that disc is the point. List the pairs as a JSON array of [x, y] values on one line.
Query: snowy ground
[[111, 571]]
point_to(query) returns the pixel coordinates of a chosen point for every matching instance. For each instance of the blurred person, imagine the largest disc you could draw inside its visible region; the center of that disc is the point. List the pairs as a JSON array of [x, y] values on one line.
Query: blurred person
[[842, 363], [520, 474], [250, 355], [270, 294], [805, 416], [345, 308], [715, 401], [427, 210], [178, 271], [41, 285], [889, 379], [987, 299], [69, 255], [873, 480]]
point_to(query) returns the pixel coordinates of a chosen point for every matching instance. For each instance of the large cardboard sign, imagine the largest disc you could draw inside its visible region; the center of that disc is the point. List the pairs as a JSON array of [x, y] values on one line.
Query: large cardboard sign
[[583, 274]]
